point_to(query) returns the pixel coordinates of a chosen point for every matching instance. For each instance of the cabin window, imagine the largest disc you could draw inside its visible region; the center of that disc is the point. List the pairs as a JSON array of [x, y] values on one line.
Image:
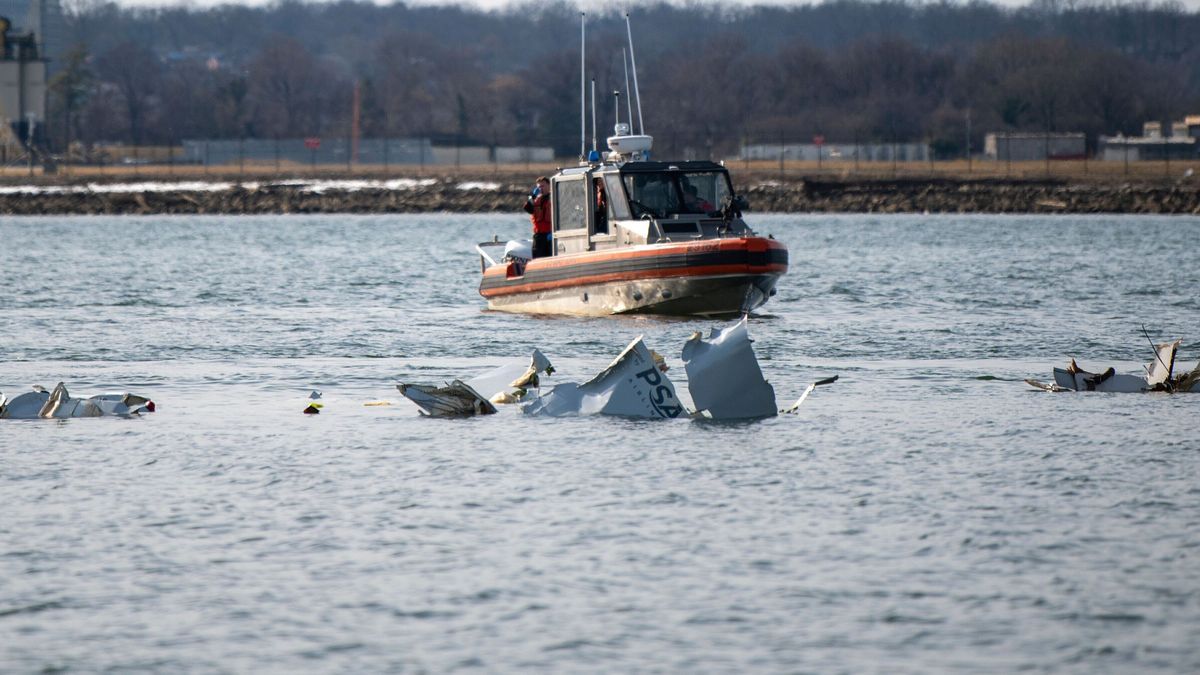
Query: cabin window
[[652, 193], [668, 193], [570, 204], [617, 207], [703, 191]]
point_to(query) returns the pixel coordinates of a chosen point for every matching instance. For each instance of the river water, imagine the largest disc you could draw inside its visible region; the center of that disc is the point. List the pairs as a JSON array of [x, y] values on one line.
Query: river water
[[928, 512]]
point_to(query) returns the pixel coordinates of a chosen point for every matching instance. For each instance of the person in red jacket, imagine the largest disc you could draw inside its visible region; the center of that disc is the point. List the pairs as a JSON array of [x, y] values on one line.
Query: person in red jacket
[[538, 208]]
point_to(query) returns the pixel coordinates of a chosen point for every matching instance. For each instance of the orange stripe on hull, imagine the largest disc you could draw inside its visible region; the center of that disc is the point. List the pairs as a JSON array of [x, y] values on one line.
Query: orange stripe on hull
[[710, 270]]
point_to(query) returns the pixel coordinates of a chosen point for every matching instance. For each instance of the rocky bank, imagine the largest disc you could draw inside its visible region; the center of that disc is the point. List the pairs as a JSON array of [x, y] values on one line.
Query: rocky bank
[[458, 194]]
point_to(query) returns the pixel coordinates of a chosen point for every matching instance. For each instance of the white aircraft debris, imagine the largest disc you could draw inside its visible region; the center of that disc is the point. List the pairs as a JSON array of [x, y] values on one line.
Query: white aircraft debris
[[807, 390], [1157, 376], [724, 377], [509, 383], [58, 404], [724, 380], [631, 386], [453, 400]]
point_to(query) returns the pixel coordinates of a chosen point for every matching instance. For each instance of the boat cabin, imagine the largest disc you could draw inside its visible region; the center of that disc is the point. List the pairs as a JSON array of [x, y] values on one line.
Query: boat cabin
[[604, 206]]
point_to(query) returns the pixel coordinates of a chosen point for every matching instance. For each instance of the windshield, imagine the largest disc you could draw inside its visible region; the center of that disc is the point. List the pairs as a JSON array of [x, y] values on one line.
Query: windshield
[[667, 193]]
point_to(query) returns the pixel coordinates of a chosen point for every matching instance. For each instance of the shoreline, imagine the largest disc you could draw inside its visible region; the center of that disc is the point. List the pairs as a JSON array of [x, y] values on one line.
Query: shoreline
[[483, 193]]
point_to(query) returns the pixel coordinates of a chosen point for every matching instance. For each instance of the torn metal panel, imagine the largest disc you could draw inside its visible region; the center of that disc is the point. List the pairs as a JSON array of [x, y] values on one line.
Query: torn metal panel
[[511, 382], [456, 399], [1159, 371], [724, 377], [631, 386]]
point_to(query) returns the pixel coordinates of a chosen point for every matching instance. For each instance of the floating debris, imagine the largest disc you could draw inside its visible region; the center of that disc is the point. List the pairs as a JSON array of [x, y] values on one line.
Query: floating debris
[[510, 383], [456, 399], [807, 390], [1158, 376], [58, 404], [724, 377], [631, 386]]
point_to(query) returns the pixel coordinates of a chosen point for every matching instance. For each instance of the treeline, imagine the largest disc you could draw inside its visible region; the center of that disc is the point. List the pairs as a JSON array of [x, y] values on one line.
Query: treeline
[[711, 77]]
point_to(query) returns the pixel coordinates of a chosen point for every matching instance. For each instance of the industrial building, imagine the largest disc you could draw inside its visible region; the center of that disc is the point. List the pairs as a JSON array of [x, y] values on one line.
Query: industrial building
[[366, 151], [22, 92], [1182, 143], [864, 152], [1029, 147]]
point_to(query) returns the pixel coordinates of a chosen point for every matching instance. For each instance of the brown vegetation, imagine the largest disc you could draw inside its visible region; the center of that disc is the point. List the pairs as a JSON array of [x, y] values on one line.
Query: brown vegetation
[[712, 78]]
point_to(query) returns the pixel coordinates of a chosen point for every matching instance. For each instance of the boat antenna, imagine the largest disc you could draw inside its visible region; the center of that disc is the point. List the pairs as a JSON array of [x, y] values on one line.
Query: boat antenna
[[593, 114], [617, 107], [633, 62], [628, 99], [582, 85]]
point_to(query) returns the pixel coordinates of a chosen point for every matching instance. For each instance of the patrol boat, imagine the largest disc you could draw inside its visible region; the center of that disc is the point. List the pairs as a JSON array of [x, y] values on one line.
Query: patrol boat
[[630, 235], [637, 236]]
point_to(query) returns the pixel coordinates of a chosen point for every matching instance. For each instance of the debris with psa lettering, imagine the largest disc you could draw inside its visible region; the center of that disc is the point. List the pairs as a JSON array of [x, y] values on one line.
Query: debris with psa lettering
[[725, 382], [633, 385]]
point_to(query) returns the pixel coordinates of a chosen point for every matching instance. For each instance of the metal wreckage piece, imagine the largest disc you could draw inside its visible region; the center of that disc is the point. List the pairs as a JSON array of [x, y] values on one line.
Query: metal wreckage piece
[[633, 385], [58, 404], [724, 380], [1158, 376], [509, 383]]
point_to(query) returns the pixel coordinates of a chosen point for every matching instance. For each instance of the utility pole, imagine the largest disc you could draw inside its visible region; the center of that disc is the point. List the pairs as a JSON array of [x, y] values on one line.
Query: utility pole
[[968, 140], [29, 140]]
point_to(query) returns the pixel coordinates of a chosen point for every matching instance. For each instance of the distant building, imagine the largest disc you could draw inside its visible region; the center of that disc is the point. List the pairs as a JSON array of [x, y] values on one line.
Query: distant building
[[1147, 148], [837, 152], [371, 151], [22, 90], [308, 150], [42, 18], [1028, 147], [523, 154], [1183, 143]]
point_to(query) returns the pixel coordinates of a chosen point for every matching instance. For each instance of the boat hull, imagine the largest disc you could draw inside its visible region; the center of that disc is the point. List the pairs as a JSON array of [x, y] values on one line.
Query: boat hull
[[703, 278]]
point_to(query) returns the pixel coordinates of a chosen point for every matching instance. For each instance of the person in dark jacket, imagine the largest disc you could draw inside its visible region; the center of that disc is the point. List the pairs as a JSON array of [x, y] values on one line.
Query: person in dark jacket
[[538, 208]]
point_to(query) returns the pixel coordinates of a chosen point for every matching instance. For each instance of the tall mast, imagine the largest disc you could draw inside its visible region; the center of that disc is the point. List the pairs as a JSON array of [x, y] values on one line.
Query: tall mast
[[628, 93], [582, 85], [593, 114], [633, 62]]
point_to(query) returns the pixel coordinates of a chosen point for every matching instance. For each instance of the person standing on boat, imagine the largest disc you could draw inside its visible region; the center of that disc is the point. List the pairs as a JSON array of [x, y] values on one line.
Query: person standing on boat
[[538, 208]]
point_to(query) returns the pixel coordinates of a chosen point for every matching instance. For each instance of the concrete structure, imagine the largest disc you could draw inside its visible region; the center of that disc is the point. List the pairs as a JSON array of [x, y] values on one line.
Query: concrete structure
[[301, 151], [1027, 147], [371, 151], [837, 152], [42, 18], [1148, 148], [1192, 125], [22, 91], [1182, 144], [523, 154]]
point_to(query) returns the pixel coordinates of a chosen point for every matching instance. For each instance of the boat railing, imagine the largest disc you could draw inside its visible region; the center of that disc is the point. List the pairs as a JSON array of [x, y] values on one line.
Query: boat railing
[[494, 256]]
